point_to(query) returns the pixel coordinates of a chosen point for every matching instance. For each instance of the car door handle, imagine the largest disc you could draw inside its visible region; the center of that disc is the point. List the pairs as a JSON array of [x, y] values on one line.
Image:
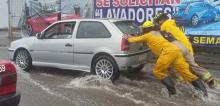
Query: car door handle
[[68, 45]]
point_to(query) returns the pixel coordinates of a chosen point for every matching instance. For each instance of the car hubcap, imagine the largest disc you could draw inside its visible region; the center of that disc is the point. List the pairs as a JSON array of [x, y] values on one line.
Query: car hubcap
[[195, 20], [22, 60], [104, 68]]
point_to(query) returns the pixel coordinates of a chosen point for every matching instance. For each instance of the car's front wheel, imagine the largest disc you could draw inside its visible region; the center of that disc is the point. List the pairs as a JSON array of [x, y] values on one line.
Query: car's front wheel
[[105, 67], [23, 60], [194, 20], [27, 30], [217, 17]]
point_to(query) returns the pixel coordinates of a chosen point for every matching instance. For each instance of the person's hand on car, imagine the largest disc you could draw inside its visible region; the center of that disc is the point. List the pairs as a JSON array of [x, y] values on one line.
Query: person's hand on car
[[126, 36]]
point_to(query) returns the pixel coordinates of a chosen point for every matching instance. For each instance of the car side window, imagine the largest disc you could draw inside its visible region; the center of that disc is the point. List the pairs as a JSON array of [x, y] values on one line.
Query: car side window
[[91, 29], [207, 6], [62, 30]]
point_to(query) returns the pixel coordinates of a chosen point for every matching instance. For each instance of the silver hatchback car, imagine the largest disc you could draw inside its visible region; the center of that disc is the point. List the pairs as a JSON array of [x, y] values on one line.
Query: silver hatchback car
[[91, 45]]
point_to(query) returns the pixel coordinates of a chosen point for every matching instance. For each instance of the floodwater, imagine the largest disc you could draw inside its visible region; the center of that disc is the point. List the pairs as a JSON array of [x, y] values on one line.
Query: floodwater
[[75, 88]]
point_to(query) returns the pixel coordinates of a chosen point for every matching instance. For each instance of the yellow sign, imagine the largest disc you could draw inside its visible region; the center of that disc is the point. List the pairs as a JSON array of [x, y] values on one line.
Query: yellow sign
[[208, 40]]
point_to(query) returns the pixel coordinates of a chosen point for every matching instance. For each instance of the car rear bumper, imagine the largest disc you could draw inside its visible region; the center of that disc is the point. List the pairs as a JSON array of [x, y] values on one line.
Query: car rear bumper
[[129, 61], [10, 100]]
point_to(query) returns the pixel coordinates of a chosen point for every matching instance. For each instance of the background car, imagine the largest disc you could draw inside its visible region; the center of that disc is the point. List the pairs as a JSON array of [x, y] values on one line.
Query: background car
[[195, 12], [40, 21], [92, 45], [8, 80], [39, 14]]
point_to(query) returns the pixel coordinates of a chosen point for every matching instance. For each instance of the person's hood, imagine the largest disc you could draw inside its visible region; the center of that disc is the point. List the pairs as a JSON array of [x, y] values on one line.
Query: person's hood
[[169, 22]]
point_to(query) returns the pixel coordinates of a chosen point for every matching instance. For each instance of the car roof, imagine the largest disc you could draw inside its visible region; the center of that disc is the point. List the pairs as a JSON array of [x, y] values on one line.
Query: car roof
[[199, 3], [188, 2], [102, 19]]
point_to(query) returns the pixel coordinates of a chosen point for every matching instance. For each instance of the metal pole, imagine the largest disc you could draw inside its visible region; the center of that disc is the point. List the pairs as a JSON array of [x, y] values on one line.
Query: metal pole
[[10, 34], [59, 14]]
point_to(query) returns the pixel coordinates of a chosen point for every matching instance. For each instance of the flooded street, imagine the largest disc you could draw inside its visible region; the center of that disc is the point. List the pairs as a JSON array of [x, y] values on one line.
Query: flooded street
[[55, 87], [138, 89]]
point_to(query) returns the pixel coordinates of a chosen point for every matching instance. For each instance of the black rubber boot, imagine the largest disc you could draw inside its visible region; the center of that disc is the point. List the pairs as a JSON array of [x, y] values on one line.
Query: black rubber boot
[[169, 83], [198, 84], [212, 83]]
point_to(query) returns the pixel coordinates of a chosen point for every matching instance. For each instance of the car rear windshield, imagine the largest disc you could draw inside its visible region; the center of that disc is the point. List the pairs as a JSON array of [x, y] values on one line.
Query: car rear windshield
[[128, 27]]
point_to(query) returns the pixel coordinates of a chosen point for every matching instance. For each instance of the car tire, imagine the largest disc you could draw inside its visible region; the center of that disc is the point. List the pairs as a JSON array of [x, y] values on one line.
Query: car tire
[[29, 30], [23, 60], [217, 17], [105, 67], [194, 20]]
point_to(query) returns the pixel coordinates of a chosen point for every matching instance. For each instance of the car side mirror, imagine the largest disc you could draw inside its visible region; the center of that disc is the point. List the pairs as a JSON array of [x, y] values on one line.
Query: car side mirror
[[38, 35]]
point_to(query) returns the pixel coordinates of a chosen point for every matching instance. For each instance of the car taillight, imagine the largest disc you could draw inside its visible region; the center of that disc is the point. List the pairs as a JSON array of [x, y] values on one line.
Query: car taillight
[[124, 43], [8, 78]]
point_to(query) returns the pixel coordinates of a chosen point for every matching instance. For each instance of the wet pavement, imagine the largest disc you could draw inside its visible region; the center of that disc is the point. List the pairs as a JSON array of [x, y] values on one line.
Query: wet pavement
[[56, 87]]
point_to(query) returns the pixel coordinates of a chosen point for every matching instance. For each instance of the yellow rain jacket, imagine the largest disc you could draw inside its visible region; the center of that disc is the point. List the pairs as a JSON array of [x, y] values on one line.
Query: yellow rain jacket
[[170, 26], [154, 41], [169, 55]]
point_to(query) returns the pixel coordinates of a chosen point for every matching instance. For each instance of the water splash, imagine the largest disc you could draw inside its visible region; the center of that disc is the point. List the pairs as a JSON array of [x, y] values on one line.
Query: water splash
[[90, 81], [96, 82], [46, 74]]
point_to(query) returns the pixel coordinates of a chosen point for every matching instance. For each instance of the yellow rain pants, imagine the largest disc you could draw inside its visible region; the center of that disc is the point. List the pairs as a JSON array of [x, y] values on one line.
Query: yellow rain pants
[[172, 58]]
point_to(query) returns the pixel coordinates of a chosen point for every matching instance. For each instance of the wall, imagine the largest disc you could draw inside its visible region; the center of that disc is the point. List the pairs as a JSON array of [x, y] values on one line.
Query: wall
[[3, 14]]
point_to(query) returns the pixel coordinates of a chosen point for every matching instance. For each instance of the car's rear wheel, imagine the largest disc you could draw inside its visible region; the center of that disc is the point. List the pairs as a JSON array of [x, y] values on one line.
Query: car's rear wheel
[[194, 20], [217, 17], [105, 67], [23, 60]]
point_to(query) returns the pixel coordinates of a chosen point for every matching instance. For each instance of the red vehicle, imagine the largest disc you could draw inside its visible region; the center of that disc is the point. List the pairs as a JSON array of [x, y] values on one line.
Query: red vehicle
[[40, 21], [8, 80]]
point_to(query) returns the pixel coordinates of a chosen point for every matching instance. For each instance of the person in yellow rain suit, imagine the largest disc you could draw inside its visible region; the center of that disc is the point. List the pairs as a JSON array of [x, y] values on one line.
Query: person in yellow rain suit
[[168, 56], [169, 25]]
